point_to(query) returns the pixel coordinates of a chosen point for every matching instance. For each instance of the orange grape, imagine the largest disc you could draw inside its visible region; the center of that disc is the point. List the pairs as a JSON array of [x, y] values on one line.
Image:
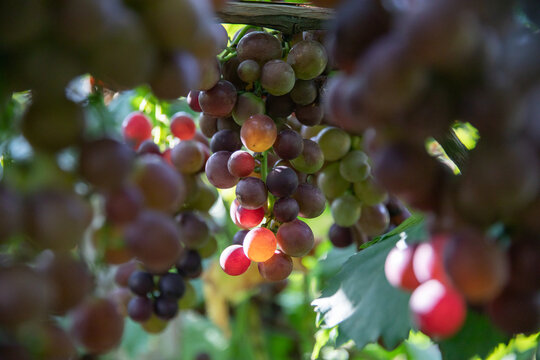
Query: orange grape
[[258, 133], [260, 244]]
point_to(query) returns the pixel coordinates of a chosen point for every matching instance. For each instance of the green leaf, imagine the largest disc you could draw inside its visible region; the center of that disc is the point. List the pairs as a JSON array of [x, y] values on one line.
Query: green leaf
[[477, 337], [361, 301]]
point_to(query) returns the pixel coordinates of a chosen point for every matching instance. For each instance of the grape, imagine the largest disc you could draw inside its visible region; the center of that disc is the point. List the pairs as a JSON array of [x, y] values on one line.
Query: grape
[[176, 73], [233, 261], [279, 106], [295, 238], [277, 268], [241, 164], [477, 267], [97, 325], [225, 140], [259, 244], [194, 232], [398, 267], [209, 70], [229, 70], [277, 77], [369, 192], [247, 218], [208, 125], [428, 260], [259, 46], [52, 125], [515, 312], [205, 198], [309, 115], [109, 242], [153, 239], [398, 213], [105, 163], [346, 210], [193, 100], [165, 308], [154, 325], [304, 92], [258, 133], [122, 205], [288, 144], [354, 166], [238, 238], [11, 211], [374, 220], [220, 100], [340, 237], [311, 132], [19, 304], [334, 142], [123, 272], [209, 248], [56, 343], [190, 264], [217, 171], [69, 278], [136, 128], [286, 209], [227, 123], [141, 283], [183, 126], [163, 189], [331, 183], [310, 200], [437, 310], [524, 256], [282, 181], [308, 59], [221, 34], [311, 160], [140, 308], [251, 193], [56, 219], [148, 147], [249, 71], [171, 285], [248, 104]]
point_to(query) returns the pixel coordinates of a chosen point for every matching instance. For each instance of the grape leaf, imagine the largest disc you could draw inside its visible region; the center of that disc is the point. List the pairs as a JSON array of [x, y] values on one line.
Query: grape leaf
[[361, 301], [477, 337]]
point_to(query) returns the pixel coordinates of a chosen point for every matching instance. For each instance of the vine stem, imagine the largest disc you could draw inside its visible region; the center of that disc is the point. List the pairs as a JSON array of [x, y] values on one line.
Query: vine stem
[[264, 166]]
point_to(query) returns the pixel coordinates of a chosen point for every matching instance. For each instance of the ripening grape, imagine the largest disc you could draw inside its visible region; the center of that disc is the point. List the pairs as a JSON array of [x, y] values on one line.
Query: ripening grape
[[428, 260], [248, 104], [148, 147], [219, 101], [309, 115], [193, 100], [227, 123], [123, 272], [260, 244], [241, 164], [346, 210], [311, 159], [286, 209], [183, 126], [249, 71], [122, 204], [136, 128], [437, 309], [189, 264], [277, 268], [187, 157], [251, 193], [225, 140], [233, 261], [194, 232], [140, 308], [217, 171], [210, 75], [295, 238], [165, 308], [308, 59], [277, 77], [258, 133], [288, 145], [476, 265], [208, 125], [105, 163], [354, 166], [175, 74], [339, 236], [374, 220], [247, 218], [398, 267], [334, 142], [304, 92], [331, 183], [310, 199], [259, 46], [279, 106], [154, 239], [282, 181], [154, 325], [97, 325], [369, 192]]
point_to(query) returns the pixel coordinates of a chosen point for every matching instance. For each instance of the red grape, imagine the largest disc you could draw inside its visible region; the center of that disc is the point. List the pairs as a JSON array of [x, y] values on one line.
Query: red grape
[[183, 126], [136, 128], [233, 261], [277, 268], [241, 163], [398, 267]]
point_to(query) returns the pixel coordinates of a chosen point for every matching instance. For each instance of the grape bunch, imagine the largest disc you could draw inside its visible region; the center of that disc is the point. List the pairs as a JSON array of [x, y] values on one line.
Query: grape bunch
[[412, 76]]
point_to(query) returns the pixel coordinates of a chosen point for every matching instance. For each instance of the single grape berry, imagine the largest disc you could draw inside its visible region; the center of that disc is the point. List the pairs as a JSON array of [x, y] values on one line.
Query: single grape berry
[[183, 126], [282, 181], [193, 100], [428, 260], [190, 264], [166, 308], [141, 282], [260, 244], [238, 238], [295, 238], [233, 261], [241, 164], [139, 308], [398, 267], [171, 285], [286, 209], [136, 128], [340, 236], [249, 218], [277, 268]]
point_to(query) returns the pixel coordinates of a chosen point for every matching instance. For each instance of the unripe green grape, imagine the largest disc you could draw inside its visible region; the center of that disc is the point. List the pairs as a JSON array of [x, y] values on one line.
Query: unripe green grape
[[247, 104], [334, 143], [354, 166], [369, 192], [346, 210], [331, 183], [310, 160], [277, 77]]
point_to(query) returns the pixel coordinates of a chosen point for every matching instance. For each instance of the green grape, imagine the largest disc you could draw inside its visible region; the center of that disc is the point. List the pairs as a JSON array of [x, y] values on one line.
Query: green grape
[[331, 183], [369, 192], [310, 160], [334, 143], [354, 166], [247, 104], [346, 210]]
